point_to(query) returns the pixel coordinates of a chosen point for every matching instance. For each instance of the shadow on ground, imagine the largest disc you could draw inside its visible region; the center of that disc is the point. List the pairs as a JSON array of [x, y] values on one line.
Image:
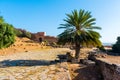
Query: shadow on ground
[[12, 63]]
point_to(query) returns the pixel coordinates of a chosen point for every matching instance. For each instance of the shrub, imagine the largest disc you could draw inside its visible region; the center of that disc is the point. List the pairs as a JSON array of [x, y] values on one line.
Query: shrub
[[22, 33], [7, 35], [27, 34], [18, 33], [101, 48], [116, 46]]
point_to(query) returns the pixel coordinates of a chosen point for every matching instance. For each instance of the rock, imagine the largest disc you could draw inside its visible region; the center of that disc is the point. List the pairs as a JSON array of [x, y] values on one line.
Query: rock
[[70, 55], [87, 62], [118, 69], [109, 70]]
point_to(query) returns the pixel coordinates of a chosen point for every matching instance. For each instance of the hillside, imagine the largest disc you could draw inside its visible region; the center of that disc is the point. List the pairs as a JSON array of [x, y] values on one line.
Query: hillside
[[21, 45]]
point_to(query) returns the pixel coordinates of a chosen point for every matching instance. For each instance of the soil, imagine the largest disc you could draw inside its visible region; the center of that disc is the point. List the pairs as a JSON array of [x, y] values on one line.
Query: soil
[[111, 59], [22, 45]]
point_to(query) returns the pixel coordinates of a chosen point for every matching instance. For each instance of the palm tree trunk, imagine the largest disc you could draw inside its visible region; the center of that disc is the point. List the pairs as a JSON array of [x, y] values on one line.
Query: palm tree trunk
[[77, 50]]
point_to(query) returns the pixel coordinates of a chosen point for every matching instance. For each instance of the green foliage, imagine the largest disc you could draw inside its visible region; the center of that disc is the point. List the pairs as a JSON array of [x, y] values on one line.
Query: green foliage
[[22, 33], [101, 48], [27, 34], [18, 33], [116, 46], [7, 36], [79, 28]]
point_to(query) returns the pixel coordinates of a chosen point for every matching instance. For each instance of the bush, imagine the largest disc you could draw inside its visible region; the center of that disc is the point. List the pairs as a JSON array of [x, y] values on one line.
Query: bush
[[116, 46], [7, 35], [27, 34], [101, 48], [22, 33], [18, 33]]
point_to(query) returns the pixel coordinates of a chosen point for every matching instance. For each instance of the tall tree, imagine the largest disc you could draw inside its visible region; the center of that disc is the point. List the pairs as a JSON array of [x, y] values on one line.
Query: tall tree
[[79, 30]]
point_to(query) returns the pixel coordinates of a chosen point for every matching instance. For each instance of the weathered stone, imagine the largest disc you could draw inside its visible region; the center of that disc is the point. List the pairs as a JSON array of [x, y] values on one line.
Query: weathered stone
[[70, 55], [109, 71], [87, 62]]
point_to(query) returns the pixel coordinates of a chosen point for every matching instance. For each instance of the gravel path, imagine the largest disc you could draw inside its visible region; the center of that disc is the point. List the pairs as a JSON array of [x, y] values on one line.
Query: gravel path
[[34, 65]]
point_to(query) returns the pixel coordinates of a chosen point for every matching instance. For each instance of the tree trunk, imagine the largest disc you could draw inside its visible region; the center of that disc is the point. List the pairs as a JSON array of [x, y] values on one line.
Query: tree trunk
[[77, 50]]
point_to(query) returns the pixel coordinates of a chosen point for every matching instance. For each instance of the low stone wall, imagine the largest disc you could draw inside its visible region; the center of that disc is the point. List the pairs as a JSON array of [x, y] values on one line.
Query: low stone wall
[[109, 71], [109, 65]]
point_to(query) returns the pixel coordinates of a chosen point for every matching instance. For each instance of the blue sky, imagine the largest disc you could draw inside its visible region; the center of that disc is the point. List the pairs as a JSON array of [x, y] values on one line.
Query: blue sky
[[46, 15]]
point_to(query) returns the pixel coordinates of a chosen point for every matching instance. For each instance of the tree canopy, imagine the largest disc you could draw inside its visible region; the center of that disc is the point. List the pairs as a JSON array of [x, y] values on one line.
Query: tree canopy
[[79, 29]]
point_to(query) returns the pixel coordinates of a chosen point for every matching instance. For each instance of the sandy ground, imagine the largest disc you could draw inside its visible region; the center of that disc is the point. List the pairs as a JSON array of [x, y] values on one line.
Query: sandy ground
[[28, 60], [111, 59], [34, 65], [22, 45], [46, 54]]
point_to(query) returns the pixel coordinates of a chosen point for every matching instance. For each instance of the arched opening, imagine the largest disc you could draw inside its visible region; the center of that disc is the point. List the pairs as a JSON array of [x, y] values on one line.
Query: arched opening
[[40, 39]]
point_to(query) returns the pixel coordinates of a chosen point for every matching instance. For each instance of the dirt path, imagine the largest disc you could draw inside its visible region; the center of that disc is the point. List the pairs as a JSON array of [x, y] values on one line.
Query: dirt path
[[34, 65]]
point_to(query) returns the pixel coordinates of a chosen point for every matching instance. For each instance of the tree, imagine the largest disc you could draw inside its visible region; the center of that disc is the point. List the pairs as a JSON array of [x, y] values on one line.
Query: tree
[[116, 46], [7, 36], [79, 31]]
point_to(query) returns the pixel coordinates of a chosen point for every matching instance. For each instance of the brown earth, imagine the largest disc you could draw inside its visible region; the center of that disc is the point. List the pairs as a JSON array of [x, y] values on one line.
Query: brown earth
[[111, 59], [22, 45]]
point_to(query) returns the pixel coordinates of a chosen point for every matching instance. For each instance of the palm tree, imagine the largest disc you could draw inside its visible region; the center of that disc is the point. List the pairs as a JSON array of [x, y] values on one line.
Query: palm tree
[[79, 31]]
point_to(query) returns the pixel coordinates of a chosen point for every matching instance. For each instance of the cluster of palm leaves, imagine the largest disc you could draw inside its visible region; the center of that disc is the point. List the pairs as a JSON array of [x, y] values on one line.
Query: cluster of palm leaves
[[7, 36], [79, 29]]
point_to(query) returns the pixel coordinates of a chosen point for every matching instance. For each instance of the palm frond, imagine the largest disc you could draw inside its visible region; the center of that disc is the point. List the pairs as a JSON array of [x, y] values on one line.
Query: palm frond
[[79, 27]]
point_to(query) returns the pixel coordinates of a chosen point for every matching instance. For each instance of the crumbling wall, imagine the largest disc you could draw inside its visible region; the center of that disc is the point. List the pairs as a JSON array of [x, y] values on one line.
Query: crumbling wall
[[108, 70]]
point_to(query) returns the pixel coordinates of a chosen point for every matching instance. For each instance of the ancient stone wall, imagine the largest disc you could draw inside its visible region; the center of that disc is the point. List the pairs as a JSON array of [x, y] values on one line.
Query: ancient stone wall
[[108, 70], [43, 37]]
